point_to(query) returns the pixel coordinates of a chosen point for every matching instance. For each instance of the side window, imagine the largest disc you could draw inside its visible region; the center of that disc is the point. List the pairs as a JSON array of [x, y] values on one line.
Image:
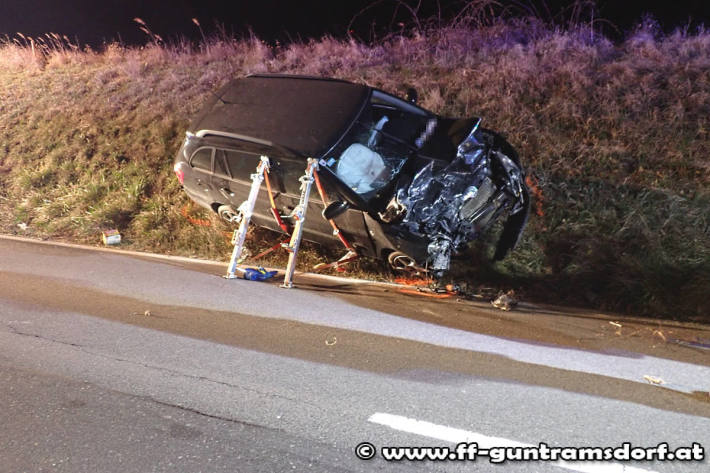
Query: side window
[[290, 171], [220, 167], [241, 165], [202, 159]]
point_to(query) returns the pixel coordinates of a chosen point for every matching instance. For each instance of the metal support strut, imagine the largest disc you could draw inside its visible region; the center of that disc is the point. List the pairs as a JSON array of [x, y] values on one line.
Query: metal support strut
[[245, 212], [299, 215]]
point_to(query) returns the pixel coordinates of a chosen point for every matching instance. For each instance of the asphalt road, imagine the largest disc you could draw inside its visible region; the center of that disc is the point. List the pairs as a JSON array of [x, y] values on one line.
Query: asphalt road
[[115, 362]]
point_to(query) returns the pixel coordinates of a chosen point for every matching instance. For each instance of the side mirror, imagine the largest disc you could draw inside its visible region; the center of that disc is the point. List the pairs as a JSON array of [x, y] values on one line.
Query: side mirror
[[411, 95], [335, 209]]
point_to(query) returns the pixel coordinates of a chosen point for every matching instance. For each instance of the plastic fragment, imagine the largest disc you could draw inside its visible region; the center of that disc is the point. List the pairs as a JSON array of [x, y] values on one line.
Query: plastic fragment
[[653, 380], [258, 274], [111, 237], [506, 301]]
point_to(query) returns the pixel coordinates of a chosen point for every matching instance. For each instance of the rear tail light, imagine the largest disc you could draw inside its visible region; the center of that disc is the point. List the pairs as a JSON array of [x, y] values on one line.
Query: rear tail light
[[179, 172]]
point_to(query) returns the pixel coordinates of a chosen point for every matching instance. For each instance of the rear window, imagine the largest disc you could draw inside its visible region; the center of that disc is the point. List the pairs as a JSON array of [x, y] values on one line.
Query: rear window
[[202, 159]]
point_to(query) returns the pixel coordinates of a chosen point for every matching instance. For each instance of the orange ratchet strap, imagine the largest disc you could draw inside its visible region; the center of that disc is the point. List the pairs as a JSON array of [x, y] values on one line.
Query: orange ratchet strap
[[351, 255], [274, 212], [336, 230]]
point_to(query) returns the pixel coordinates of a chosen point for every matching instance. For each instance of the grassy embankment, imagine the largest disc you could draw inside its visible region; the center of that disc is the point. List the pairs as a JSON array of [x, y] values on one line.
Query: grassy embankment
[[616, 135]]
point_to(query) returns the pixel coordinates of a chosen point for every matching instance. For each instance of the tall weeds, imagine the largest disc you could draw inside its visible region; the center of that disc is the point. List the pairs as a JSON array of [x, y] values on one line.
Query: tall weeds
[[615, 134]]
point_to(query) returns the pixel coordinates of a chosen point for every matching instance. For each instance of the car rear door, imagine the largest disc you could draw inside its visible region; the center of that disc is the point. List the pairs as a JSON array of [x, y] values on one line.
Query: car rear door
[[286, 174], [232, 180], [199, 179]]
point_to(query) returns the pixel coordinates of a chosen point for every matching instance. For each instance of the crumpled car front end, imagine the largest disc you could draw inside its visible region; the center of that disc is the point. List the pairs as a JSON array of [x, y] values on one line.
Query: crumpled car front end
[[453, 204]]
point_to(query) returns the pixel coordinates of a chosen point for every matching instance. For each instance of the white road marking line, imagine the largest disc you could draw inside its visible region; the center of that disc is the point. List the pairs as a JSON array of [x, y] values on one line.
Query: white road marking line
[[456, 436]]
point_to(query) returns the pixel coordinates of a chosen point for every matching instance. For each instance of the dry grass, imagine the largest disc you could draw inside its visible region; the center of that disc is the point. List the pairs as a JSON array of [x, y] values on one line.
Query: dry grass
[[616, 135]]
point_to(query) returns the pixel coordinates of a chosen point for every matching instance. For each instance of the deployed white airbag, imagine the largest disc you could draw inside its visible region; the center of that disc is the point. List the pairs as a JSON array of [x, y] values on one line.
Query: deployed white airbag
[[359, 167]]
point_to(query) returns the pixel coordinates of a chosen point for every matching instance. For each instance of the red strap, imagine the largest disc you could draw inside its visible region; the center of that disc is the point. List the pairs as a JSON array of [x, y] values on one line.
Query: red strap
[[274, 212], [336, 230]]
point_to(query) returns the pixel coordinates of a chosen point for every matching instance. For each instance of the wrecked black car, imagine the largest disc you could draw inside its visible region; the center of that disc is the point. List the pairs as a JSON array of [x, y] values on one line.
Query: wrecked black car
[[404, 184]]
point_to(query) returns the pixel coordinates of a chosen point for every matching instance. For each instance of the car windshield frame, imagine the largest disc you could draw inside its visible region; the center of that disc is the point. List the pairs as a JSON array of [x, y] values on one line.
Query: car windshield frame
[[383, 139]]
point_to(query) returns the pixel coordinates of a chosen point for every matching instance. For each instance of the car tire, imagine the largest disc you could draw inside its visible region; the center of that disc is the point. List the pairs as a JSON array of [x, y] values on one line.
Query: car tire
[[228, 213], [400, 261]]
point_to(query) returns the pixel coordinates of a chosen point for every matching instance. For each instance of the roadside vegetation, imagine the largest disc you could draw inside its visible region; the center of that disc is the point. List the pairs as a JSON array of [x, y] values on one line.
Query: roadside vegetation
[[615, 137]]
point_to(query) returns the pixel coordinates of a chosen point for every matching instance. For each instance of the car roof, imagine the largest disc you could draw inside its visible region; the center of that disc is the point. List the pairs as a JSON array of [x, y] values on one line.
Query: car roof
[[307, 115]]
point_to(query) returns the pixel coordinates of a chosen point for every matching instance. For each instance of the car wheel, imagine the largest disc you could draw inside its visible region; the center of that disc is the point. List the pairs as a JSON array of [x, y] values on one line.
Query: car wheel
[[228, 213], [400, 261]]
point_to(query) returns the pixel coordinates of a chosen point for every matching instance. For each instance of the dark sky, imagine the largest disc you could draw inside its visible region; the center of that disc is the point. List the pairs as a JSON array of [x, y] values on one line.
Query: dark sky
[[95, 22]]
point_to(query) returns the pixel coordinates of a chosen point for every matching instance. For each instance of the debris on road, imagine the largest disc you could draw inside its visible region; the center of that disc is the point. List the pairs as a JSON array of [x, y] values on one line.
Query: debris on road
[[506, 301], [330, 341], [654, 380], [22, 225], [618, 326], [258, 274], [426, 292], [111, 237], [697, 343]]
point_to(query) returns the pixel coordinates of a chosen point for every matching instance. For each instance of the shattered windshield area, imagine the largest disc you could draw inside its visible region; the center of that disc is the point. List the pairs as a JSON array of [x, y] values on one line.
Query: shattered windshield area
[[378, 145]]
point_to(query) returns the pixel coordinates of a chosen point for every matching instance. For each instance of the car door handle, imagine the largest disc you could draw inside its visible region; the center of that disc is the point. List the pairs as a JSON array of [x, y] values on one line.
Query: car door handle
[[226, 192]]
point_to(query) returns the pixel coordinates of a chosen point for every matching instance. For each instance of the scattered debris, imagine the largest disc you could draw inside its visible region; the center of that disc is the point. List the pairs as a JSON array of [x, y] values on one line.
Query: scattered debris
[[697, 343], [147, 313], [426, 292], [111, 237], [412, 282], [618, 326], [506, 301], [453, 288], [330, 341], [654, 380], [22, 225], [258, 274], [660, 334]]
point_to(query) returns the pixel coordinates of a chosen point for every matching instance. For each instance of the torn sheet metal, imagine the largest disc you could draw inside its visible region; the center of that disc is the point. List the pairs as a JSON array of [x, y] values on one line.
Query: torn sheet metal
[[453, 204]]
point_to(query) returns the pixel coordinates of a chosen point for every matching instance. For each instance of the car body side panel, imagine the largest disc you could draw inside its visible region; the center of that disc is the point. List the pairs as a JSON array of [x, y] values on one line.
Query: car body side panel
[[447, 179], [199, 181], [387, 237], [356, 232], [233, 192]]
